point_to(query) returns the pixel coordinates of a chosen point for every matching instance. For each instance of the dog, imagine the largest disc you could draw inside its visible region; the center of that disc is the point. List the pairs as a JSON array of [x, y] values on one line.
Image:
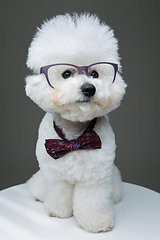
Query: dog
[[77, 81]]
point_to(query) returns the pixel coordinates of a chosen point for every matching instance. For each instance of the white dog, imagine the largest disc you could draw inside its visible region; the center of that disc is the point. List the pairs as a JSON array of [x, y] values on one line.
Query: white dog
[[77, 82]]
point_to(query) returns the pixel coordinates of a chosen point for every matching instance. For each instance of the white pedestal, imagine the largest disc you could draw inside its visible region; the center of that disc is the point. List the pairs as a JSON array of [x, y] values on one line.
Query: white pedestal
[[137, 217]]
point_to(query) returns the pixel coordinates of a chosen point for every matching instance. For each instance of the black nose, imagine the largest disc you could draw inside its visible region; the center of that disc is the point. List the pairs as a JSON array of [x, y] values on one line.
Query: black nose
[[88, 89]]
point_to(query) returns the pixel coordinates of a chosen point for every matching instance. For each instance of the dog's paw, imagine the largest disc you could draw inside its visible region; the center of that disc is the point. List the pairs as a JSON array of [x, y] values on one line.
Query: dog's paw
[[95, 227], [96, 223], [58, 210], [61, 213]]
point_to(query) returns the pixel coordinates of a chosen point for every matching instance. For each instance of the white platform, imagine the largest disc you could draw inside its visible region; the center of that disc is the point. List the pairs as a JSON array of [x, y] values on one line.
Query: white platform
[[137, 217]]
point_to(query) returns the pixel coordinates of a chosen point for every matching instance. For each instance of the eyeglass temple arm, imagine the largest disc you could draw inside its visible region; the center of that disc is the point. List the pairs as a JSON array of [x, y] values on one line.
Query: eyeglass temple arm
[[116, 69]]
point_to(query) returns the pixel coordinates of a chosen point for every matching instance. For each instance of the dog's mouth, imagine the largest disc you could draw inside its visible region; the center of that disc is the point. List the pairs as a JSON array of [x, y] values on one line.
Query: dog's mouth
[[84, 101]]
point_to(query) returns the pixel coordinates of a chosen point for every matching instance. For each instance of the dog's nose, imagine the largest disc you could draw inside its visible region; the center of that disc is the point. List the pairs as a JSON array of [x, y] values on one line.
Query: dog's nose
[[88, 89]]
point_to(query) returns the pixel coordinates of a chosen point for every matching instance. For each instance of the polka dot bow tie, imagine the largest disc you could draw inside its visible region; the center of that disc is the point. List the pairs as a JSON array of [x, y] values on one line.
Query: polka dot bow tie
[[88, 140]]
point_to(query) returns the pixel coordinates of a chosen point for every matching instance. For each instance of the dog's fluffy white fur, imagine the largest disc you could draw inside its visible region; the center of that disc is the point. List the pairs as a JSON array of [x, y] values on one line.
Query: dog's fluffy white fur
[[83, 183]]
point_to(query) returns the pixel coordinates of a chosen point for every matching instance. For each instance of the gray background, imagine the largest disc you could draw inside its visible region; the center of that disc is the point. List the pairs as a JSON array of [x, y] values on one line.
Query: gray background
[[135, 123]]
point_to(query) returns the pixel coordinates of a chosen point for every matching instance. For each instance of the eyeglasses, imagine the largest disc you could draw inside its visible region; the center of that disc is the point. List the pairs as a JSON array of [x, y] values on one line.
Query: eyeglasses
[[102, 70]]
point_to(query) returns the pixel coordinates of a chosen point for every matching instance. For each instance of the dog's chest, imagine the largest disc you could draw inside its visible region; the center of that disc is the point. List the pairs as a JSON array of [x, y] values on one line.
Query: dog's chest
[[81, 164]]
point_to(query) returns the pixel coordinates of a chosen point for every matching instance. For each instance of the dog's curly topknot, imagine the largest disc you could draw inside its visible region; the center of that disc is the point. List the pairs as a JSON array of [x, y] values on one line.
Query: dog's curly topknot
[[71, 34]]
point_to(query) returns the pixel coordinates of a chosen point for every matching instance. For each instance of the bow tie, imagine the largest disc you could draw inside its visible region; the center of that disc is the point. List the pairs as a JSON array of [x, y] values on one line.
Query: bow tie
[[88, 140]]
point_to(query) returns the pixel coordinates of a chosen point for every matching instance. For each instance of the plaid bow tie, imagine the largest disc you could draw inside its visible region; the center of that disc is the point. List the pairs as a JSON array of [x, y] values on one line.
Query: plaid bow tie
[[88, 140]]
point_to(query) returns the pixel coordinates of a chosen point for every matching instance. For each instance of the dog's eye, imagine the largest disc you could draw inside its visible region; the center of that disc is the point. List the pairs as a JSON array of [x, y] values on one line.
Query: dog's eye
[[95, 74], [66, 74]]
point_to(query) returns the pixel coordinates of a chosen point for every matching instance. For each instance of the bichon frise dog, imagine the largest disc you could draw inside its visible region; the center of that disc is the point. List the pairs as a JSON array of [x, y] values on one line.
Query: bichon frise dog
[[77, 82]]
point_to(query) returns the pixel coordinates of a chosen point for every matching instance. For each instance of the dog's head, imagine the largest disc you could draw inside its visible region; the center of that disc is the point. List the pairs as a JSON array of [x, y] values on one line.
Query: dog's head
[[76, 68]]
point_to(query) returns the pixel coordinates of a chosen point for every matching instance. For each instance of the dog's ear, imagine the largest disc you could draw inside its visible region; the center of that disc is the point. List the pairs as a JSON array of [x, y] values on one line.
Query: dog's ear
[[38, 90], [117, 91], [31, 82], [35, 87]]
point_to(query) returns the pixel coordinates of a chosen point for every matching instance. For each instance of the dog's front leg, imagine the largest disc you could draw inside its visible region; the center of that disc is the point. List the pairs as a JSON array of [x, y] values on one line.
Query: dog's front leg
[[58, 199], [93, 207]]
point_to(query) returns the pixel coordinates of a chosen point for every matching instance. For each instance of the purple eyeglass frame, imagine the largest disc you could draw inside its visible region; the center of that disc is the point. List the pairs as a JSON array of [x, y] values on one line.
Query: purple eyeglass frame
[[44, 69]]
